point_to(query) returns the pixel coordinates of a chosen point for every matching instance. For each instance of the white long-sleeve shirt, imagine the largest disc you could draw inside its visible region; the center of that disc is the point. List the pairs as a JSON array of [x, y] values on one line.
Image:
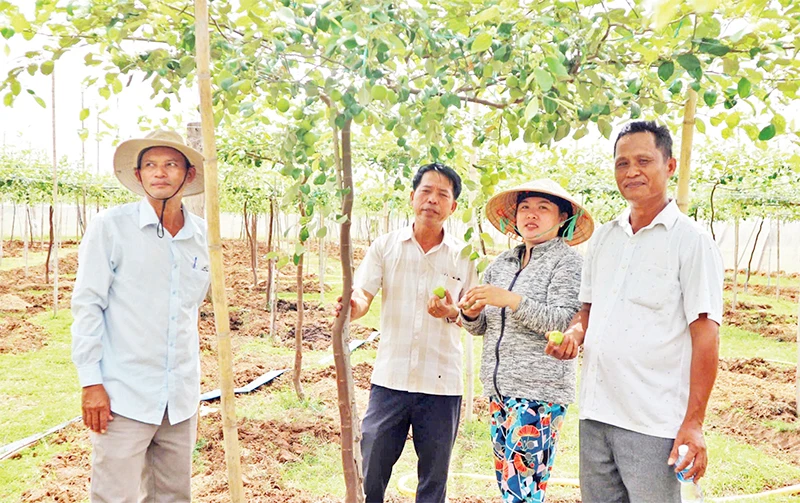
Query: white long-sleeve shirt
[[135, 305]]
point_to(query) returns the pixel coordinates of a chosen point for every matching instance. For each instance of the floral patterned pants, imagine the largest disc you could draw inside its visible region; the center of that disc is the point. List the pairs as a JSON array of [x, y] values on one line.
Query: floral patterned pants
[[524, 436]]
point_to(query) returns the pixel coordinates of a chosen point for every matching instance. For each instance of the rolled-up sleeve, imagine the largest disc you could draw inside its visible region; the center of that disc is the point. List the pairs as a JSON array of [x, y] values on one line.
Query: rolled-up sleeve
[[585, 293], [701, 277], [369, 275], [89, 300], [562, 300]]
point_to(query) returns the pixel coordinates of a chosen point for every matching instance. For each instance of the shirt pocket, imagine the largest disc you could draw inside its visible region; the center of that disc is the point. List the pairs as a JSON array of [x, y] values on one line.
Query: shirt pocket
[[653, 287], [196, 286]]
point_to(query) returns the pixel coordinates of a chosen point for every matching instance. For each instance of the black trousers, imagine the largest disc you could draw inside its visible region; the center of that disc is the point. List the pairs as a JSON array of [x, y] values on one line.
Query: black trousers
[[434, 423]]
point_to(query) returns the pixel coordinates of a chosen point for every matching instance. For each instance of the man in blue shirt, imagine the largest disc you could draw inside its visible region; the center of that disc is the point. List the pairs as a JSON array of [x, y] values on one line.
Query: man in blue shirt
[[142, 275]]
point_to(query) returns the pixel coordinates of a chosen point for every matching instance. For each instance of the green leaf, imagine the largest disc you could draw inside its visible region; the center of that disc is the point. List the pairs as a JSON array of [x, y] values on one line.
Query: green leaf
[[40, 101], [744, 87], [7, 32], [665, 70], [8, 99], [689, 62], [341, 219], [767, 133], [46, 68], [555, 66], [543, 79], [84, 114], [303, 235], [481, 42], [467, 216], [700, 125], [532, 108], [714, 47], [710, 97]]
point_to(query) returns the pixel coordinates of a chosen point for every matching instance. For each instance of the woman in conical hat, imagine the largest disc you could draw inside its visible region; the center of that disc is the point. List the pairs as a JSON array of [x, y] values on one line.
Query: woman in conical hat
[[527, 292]]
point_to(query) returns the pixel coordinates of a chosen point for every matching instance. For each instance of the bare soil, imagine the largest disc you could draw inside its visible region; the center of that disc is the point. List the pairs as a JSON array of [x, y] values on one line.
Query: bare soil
[[753, 400]]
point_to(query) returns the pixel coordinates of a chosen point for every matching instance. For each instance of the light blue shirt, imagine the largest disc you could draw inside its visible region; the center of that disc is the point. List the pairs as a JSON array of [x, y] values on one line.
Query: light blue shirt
[[135, 304]]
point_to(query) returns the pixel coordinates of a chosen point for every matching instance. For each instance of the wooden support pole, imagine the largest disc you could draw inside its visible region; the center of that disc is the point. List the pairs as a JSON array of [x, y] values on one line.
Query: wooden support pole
[[687, 137], [224, 356]]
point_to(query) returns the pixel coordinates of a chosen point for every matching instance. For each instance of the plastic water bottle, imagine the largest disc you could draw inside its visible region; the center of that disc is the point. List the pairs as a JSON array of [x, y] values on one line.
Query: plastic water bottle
[[690, 491]]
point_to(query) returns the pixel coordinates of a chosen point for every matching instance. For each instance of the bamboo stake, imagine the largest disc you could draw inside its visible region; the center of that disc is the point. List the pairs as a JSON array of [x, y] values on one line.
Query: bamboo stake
[[229, 430], [687, 136]]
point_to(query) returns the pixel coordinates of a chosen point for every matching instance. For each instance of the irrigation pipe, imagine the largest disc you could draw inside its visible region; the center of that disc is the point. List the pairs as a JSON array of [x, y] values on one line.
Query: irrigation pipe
[[406, 490], [9, 450]]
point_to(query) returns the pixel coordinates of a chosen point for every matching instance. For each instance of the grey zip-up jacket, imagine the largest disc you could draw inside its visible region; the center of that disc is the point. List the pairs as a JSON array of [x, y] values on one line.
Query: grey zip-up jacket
[[549, 287]]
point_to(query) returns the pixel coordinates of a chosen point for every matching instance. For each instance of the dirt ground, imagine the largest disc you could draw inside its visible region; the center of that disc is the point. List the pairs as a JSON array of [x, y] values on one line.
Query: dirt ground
[[751, 397]]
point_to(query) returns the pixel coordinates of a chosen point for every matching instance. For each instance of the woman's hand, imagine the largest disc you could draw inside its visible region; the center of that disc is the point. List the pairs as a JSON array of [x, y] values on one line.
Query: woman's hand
[[488, 295]]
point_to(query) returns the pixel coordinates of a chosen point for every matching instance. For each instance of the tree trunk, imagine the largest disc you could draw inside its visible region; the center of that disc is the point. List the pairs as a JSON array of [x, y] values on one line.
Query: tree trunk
[[251, 229], [322, 255], [25, 239], [49, 249], [480, 237], [298, 333], [350, 429], [13, 223], [269, 250], [735, 261], [752, 252], [2, 218], [778, 265], [221, 317], [711, 202]]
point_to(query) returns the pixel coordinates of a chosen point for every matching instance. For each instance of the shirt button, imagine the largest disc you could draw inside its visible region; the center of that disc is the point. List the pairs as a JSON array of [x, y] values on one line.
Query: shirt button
[[174, 266], [172, 318]]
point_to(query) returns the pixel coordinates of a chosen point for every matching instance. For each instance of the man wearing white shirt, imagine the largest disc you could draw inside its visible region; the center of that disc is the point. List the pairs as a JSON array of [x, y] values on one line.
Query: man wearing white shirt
[[142, 275], [652, 305], [417, 380]]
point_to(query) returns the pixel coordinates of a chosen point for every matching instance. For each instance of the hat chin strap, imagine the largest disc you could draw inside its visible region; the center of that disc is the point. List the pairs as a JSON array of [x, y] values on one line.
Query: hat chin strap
[[160, 226]]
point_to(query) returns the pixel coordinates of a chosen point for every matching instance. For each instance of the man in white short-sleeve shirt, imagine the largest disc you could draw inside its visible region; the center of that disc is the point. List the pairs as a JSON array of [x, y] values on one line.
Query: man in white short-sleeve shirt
[[652, 306], [417, 379]]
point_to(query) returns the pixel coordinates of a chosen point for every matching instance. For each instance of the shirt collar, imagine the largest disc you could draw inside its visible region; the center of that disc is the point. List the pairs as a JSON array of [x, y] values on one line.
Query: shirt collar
[[147, 216], [666, 217], [407, 234]]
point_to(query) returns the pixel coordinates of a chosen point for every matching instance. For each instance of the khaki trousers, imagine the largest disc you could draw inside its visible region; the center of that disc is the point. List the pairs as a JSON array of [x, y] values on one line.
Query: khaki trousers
[[145, 463]]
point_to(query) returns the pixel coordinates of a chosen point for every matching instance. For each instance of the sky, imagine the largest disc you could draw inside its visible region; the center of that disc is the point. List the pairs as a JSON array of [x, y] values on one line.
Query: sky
[[28, 125]]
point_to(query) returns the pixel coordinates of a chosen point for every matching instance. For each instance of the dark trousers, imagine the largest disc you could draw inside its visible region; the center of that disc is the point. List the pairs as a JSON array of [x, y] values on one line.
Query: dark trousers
[[434, 422]]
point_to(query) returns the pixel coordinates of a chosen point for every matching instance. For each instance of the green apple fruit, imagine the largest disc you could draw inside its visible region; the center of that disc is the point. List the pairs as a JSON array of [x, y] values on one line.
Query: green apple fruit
[[439, 292]]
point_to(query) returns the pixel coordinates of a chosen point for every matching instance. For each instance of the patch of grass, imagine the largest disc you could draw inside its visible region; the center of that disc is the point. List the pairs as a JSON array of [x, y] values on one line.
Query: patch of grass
[[757, 279], [20, 474], [778, 306], [41, 386], [319, 473], [35, 259], [738, 468], [781, 425], [738, 343]]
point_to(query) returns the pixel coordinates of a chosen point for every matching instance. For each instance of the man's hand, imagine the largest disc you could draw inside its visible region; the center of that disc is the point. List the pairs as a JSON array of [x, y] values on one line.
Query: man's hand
[[359, 304], [442, 308], [567, 349], [96, 408], [489, 295], [691, 435]]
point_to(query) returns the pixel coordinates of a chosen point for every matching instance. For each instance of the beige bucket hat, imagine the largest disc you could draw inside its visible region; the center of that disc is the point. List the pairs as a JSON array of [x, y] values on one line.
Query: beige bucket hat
[[127, 155], [502, 208]]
